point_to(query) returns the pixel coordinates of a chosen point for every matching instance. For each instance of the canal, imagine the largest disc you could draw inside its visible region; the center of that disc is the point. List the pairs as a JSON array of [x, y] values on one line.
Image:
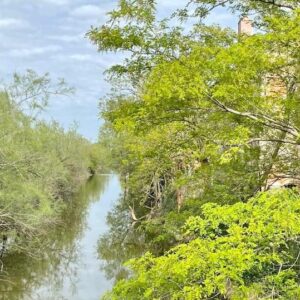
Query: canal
[[70, 268]]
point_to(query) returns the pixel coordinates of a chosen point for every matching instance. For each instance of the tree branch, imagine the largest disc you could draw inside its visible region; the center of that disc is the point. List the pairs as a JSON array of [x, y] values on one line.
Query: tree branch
[[262, 119]]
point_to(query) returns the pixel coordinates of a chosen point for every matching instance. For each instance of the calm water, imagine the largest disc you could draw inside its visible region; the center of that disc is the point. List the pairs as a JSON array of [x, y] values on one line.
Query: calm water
[[70, 268]]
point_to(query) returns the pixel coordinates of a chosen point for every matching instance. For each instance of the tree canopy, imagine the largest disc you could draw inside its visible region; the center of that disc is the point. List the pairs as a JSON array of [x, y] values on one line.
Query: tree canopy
[[201, 122], [243, 251]]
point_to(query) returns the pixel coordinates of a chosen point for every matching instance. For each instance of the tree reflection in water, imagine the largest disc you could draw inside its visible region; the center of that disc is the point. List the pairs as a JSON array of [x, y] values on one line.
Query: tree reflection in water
[[120, 243], [23, 274]]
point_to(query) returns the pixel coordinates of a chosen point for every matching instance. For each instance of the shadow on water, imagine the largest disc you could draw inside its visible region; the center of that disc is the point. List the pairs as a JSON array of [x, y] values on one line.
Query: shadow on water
[[70, 267]]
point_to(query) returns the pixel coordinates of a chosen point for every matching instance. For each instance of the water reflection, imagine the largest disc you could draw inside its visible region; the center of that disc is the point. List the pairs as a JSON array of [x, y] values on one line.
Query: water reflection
[[70, 268], [120, 243]]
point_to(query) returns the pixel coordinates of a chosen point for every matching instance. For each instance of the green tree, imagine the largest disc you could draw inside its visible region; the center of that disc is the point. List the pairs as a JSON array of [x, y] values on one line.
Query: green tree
[[241, 251], [200, 114], [41, 164], [202, 97]]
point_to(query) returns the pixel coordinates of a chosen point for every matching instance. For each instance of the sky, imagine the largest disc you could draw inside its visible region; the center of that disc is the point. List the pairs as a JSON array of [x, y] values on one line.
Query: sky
[[49, 36]]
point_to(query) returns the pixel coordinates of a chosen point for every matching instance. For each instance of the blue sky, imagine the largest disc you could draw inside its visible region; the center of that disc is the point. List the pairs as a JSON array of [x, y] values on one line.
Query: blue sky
[[48, 36]]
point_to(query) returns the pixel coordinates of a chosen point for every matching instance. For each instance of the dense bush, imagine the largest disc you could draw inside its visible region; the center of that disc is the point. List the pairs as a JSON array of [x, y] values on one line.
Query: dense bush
[[41, 165], [241, 251]]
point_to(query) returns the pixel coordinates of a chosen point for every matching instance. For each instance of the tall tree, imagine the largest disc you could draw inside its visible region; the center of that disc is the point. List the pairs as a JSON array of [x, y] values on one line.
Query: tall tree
[[202, 114]]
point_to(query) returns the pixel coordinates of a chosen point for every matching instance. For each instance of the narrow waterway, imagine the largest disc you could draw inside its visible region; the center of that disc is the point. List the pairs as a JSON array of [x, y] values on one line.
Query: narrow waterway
[[70, 268]]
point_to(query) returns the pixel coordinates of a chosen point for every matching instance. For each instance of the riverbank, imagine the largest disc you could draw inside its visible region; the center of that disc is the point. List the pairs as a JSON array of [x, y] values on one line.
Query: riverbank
[[41, 166], [70, 268]]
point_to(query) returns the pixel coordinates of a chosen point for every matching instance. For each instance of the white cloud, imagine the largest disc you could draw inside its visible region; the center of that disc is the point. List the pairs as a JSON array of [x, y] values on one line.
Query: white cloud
[[13, 23], [25, 52], [35, 2], [84, 60], [67, 38], [82, 57], [87, 11], [56, 2]]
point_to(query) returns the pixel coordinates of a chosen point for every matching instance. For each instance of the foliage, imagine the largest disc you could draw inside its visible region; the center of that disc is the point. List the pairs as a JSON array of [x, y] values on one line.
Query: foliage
[[41, 164], [199, 114], [240, 251], [202, 119], [31, 92], [58, 253]]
